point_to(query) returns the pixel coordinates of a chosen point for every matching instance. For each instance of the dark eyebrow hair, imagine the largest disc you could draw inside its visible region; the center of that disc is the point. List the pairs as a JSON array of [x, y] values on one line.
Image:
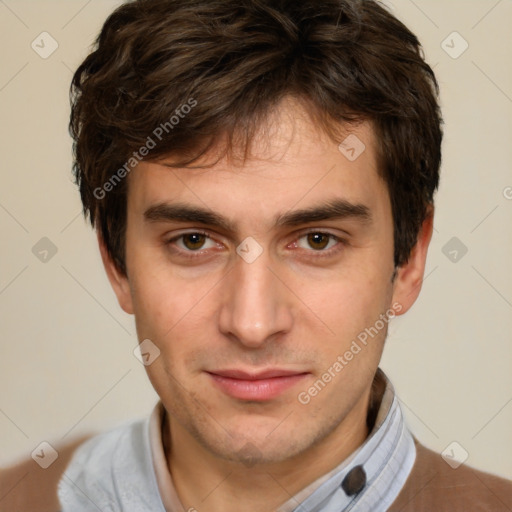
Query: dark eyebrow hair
[[163, 212], [334, 209]]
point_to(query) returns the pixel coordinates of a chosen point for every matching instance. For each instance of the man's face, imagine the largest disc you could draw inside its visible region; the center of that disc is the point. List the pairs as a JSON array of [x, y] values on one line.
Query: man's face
[[243, 336]]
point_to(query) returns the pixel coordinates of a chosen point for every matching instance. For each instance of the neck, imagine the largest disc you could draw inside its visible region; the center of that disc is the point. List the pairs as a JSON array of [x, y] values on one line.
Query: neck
[[203, 481]]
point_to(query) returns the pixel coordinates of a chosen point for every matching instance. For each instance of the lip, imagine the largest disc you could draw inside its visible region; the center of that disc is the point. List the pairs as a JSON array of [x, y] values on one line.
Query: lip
[[256, 386]]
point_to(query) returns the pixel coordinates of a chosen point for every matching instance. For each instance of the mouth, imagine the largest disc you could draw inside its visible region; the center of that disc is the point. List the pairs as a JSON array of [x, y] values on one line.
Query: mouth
[[256, 386]]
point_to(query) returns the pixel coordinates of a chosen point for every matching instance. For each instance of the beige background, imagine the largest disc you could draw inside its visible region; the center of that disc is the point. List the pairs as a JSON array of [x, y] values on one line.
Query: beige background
[[67, 365]]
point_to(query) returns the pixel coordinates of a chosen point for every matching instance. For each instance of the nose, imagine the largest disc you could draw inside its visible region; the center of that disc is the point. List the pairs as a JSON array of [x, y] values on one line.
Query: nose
[[256, 305]]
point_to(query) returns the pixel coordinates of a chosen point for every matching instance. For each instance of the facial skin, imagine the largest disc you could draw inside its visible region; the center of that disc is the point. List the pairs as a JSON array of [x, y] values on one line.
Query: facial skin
[[297, 307]]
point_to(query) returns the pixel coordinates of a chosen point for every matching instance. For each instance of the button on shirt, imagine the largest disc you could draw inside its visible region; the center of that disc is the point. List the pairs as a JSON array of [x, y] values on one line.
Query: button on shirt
[[126, 469]]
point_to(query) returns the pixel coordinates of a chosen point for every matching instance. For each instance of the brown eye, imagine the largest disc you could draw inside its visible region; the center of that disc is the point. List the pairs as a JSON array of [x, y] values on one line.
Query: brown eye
[[194, 241], [318, 241]]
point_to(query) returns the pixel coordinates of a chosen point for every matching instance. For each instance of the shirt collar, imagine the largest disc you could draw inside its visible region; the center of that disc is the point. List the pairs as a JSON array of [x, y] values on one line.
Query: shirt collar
[[369, 479], [166, 488]]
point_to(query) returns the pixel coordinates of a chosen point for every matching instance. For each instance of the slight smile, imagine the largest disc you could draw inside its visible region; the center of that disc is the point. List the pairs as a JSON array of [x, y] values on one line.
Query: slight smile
[[260, 386]]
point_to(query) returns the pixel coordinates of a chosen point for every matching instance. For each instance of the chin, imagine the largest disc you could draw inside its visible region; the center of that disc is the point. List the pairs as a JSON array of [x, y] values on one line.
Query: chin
[[244, 448], [250, 454]]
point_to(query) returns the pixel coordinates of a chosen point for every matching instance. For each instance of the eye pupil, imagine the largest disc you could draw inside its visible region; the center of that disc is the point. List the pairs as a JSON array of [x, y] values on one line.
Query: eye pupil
[[318, 240], [193, 241]]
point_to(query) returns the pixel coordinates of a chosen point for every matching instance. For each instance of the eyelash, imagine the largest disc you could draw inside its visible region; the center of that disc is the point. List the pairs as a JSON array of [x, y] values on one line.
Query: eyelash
[[341, 243]]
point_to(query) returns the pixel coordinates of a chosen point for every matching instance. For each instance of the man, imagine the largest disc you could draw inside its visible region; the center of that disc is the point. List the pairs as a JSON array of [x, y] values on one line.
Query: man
[[261, 177]]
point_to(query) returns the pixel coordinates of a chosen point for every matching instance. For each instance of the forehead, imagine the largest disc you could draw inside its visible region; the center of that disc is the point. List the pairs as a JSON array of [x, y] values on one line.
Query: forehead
[[292, 163]]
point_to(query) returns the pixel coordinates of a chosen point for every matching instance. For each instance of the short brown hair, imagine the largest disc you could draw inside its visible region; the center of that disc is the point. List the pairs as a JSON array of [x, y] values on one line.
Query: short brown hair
[[346, 60]]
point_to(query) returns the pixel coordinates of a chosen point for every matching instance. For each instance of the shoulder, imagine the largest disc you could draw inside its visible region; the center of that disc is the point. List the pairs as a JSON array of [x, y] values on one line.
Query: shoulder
[[108, 470], [434, 485]]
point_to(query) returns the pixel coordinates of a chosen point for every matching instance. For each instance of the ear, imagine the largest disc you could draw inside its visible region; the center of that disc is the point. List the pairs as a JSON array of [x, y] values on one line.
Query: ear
[[118, 280], [409, 278]]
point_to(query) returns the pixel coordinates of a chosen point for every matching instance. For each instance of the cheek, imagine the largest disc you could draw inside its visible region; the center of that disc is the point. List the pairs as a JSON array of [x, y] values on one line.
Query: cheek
[[158, 293], [161, 307], [172, 311], [351, 350], [348, 305]]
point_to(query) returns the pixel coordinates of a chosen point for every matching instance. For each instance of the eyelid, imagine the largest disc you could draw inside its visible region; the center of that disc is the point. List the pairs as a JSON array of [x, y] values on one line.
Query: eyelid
[[342, 234], [325, 231], [189, 232]]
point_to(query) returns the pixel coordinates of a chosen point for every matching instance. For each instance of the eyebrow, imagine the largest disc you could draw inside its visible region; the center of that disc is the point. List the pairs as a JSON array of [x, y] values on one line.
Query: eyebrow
[[332, 210]]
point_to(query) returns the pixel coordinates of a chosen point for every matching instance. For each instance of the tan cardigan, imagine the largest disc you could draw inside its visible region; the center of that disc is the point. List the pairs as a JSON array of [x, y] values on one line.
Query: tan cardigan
[[432, 486]]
